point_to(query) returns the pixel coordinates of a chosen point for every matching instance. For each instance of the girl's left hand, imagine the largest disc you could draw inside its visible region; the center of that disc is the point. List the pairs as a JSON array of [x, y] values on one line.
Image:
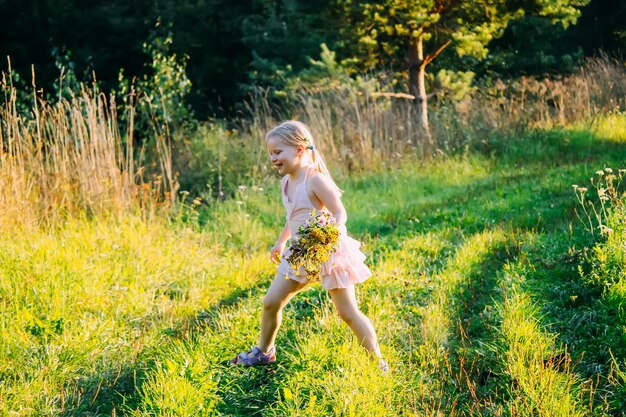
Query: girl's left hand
[[276, 251]]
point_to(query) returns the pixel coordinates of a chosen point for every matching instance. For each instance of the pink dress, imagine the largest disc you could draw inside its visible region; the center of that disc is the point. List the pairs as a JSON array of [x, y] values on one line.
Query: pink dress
[[346, 265]]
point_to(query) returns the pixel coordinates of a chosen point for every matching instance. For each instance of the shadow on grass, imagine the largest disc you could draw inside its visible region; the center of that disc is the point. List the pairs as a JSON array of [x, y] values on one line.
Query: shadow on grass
[[242, 391], [588, 322], [208, 318], [529, 189], [473, 370], [532, 194], [118, 389], [102, 395]]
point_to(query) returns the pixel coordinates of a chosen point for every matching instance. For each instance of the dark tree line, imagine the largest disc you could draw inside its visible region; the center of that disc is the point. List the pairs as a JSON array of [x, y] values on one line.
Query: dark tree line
[[232, 45]]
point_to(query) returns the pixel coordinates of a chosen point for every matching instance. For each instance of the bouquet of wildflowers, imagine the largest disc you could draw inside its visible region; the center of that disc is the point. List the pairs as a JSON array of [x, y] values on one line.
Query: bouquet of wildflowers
[[316, 240]]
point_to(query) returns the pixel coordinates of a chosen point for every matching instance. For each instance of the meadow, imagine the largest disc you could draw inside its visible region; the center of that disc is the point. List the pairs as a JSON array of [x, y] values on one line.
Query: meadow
[[493, 293]]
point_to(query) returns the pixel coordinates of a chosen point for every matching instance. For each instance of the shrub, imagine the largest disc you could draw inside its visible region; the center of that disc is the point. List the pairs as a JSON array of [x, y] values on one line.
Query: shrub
[[214, 161], [604, 213]]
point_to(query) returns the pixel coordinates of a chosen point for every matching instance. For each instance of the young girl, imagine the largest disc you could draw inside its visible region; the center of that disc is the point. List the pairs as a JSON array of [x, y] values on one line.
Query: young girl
[[306, 185]]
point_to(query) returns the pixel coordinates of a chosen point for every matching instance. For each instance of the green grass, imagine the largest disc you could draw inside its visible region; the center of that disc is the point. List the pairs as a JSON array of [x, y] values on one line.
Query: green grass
[[476, 296]]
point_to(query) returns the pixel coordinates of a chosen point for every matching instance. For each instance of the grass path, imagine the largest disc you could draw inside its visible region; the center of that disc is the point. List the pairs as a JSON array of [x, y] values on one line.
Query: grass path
[[476, 298]]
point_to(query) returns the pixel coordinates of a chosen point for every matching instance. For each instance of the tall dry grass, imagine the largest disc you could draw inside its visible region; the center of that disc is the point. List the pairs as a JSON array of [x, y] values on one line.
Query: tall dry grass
[[73, 156], [361, 129], [529, 103], [70, 158]]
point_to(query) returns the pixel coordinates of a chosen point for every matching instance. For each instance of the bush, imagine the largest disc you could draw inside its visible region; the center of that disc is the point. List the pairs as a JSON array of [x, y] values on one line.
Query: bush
[[605, 212], [608, 258], [214, 161]]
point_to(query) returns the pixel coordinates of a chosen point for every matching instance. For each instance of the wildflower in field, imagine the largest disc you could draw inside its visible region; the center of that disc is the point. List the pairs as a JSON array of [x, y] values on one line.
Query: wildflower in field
[[315, 241]]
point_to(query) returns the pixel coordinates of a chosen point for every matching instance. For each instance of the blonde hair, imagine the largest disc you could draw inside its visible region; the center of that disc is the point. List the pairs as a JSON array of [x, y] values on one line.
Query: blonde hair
[[295, 133]]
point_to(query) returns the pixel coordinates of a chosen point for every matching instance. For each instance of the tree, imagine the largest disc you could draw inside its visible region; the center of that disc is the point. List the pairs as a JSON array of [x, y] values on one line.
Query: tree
[[209, 33], [98, 36], [283, 35], [602, 26], [385, 27], [532, 45]]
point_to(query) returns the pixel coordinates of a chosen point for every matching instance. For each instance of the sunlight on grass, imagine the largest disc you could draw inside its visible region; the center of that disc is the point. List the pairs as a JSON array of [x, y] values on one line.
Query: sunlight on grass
[[540, 380], [180, 384], [87, 300], [138, 317]]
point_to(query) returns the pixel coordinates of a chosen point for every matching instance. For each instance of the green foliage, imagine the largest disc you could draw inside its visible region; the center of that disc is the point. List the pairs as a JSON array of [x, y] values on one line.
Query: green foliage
[[214, 161], [454, 85], [281, 36], [606, 207], [474, 294], [13, 88], [533, 45], [325, 74], [181, 385], [607, 215], [608, 259], [36, 33], [163, 90], [68, 80], [561, 11], [424, 29], [267, 43], [383, 29], [158, 103], [380, 30]]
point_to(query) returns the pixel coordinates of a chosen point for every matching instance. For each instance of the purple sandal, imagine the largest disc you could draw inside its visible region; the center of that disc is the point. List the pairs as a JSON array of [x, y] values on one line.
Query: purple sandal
[[383, 366], [254, 357]]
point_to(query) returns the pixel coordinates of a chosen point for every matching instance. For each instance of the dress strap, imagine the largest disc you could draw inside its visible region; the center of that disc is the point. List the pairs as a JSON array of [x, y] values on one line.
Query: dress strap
[[306, 185]]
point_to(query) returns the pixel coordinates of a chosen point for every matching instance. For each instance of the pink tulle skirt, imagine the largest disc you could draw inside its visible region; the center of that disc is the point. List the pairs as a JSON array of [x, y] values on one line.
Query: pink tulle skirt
[[345, 267]]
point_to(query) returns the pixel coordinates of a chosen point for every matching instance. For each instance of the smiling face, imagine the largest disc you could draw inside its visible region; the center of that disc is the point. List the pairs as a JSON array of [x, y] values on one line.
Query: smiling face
[[285, 158]]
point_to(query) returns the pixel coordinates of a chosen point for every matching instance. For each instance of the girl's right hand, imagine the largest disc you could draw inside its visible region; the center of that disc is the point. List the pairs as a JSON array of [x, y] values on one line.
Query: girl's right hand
[[276, 251]]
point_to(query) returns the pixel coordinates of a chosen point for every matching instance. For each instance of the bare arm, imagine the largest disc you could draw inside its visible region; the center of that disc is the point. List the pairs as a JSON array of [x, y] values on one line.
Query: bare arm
[[328, 193], [285, 234], [278, 248]]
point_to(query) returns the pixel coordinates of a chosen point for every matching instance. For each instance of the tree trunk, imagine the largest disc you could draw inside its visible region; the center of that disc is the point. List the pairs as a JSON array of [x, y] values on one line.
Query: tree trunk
[[417, 83]]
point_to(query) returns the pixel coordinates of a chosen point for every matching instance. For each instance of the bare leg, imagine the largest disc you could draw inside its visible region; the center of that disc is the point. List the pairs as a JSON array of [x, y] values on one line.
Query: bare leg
[[278, 295], [348, 309]]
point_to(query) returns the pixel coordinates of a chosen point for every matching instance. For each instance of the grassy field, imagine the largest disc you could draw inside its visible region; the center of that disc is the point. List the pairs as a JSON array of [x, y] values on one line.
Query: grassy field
[[477, 296]]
